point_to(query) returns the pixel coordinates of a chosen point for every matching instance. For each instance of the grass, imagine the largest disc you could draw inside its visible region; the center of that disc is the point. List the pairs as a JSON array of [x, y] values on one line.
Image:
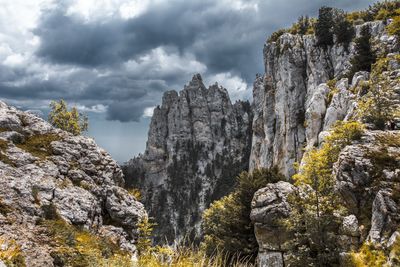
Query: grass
[[187, 256], [39, 145], [76, 247]]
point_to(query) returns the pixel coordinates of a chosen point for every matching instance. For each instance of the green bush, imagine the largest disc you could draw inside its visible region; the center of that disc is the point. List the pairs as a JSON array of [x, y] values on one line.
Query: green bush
[[227, 225]]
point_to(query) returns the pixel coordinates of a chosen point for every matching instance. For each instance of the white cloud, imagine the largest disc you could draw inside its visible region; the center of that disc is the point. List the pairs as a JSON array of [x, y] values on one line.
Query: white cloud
[[14, 60], [161, 63], [148, 112], [236, 86]]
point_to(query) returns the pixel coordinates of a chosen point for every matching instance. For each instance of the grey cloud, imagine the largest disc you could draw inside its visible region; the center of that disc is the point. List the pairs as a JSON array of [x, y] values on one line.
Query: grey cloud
[[221, 38]]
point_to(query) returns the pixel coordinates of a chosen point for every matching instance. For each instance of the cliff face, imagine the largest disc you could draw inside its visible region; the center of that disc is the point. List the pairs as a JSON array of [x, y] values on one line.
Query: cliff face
[[48, 176], [198, 142], [294, 109], [291, 106]]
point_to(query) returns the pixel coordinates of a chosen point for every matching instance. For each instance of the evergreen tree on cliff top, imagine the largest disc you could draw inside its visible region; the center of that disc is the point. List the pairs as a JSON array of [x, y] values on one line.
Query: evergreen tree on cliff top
[[323, 27], [364, 55]]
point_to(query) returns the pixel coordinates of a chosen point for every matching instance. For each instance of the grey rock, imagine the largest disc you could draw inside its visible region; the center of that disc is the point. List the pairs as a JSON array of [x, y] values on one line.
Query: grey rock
[[269, 205], [289, 111], [73, 175], [198, 142]]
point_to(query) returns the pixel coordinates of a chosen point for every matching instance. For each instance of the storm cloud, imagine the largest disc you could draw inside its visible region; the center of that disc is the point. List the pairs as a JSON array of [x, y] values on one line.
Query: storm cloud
[[125, 58], [115, 58]]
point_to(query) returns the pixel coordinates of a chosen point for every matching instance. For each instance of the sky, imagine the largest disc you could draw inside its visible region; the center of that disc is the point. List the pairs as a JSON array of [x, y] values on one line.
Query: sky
[[113, 59]]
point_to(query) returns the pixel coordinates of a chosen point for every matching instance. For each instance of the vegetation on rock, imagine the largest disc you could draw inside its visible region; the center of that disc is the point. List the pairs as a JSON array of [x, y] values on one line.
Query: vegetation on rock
[[227, 225], [11, 254], [316, 208], [39, 145], [68, 120], [378, 106]]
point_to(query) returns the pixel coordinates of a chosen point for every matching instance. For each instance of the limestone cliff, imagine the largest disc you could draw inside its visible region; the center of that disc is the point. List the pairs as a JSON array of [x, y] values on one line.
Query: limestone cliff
[[50, 177], [198, 142], [291, 103], [294, 108]]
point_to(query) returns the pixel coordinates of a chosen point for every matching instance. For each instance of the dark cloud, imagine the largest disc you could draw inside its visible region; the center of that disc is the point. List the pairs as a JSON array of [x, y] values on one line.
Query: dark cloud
[[115, 61]]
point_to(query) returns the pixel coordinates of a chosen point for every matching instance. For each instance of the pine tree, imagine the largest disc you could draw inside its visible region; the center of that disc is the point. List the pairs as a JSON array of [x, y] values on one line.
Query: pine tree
[[343, 29], [323, 27], [364, 55]]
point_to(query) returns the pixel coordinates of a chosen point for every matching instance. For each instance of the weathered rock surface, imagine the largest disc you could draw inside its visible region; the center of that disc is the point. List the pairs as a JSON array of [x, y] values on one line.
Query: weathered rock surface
[[269, 205], [299, 98], [46, 172], [291, 106], [368, 179], [198, 142]]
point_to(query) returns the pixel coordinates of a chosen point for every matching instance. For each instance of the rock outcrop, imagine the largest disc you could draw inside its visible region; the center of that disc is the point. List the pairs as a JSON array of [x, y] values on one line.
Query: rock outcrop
[[270, 205], [299, 98], [47, 174], [292, 105], [368, 179], [198, 142]]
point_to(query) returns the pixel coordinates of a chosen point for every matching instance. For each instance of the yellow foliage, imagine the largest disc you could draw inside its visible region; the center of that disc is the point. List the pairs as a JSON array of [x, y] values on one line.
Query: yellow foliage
[[135, 192], [186, 256], [76, 247], [145, 229], [11, 254], [68, 120], [367, 256]]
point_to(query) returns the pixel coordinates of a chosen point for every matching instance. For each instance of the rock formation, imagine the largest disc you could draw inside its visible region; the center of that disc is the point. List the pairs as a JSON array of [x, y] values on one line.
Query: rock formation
[[198, 142], [291, 104], [48, 174], [294, 108]]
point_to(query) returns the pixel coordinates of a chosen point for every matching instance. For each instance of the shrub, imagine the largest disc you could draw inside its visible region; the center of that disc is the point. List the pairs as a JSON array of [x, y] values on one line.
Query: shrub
[[314, 220], [378, 105], [276, 35], [394, 27], [227, 225], [11, 254], [68, 120]]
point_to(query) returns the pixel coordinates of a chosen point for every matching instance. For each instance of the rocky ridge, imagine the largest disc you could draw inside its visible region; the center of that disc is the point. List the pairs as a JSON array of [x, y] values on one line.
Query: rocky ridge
[[198, 142], [48, 174]]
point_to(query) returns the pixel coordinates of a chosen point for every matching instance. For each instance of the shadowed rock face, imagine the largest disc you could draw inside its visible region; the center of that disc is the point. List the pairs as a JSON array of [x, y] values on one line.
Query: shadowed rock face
[[198, 142], [47, 173]]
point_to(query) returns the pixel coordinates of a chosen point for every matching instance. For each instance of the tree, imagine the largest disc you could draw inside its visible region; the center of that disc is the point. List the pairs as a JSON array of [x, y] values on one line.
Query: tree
[[378, 106], [343, 29], [323, 27], [364, 55], [227, 225], [68, 120], [316, 208], [145, 231]]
